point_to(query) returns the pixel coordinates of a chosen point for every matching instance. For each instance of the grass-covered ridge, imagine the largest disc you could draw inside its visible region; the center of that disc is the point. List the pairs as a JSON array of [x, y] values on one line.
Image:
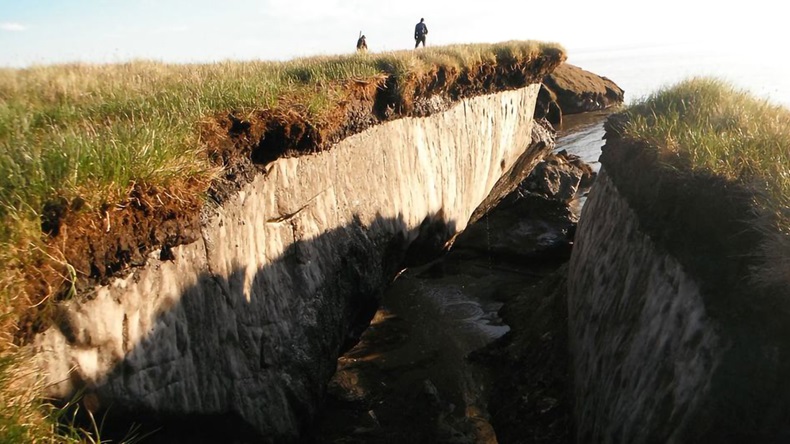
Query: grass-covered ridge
[[100, 140], [90, 130], [709, 126]]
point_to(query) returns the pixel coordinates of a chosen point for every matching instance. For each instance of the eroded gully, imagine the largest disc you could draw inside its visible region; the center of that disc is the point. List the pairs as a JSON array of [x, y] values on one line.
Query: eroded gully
[[413, 376]]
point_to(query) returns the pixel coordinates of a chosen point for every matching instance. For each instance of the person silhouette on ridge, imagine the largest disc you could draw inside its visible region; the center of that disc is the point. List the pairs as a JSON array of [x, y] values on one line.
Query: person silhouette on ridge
[[419, 33], [362, 45]]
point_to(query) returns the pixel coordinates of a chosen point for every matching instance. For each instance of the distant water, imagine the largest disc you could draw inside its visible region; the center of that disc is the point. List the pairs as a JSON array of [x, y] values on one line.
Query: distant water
[[582, 135], [642, 71]]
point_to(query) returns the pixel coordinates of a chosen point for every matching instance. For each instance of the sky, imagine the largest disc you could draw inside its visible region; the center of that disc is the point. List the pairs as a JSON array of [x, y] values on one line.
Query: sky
[[743, 43], [57, 31]]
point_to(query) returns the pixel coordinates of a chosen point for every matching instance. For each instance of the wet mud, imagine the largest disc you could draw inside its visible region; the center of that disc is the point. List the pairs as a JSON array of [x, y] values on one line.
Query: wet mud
[[432, 365]]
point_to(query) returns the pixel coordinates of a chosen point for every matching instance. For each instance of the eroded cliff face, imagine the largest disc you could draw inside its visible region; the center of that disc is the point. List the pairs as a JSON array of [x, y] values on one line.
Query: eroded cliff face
[[644, 347], [671, 339], [247, 322]]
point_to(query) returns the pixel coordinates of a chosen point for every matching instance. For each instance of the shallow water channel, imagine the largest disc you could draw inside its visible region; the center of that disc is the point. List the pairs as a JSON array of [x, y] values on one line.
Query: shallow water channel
[[410, 379]]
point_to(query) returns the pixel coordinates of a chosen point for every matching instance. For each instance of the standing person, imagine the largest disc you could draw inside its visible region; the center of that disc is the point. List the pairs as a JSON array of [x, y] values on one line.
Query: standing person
[[362, 45], [419, 33]]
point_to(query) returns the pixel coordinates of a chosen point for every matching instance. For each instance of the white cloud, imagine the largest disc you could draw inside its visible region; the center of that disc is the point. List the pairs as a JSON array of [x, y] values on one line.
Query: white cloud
[[14, 27]]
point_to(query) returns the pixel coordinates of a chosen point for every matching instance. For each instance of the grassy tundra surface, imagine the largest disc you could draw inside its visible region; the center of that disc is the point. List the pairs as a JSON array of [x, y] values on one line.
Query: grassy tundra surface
[[706, 125], [81, 144], [706, 170]]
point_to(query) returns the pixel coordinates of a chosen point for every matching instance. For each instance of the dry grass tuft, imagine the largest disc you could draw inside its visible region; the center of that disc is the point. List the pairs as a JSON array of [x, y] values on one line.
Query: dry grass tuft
[[713, 127]]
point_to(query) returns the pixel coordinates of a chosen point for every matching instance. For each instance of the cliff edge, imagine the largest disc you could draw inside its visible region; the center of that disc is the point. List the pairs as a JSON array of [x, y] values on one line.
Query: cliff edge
[[247, 321], [673, 335]]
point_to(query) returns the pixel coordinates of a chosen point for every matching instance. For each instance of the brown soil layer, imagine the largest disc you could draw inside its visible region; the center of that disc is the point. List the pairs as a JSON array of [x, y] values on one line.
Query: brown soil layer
[[106, 242]]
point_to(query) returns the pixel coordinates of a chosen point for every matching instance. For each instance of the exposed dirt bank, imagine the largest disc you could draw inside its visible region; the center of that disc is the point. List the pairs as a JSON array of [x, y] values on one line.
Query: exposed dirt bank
[[672, 340], [434, 366], [249, 320], [105, 243]]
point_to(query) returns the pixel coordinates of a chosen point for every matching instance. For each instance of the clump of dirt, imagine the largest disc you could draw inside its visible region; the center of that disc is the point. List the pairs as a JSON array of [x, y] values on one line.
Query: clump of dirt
[[92, 246], [571, 90], [560, 176]]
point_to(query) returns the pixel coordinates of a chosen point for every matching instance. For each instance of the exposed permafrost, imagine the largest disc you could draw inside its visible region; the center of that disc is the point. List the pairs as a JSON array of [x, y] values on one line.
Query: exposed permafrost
[[248, 321], [644, 349]]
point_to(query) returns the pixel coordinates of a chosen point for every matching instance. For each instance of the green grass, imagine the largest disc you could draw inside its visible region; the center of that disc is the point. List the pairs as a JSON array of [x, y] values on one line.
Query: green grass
[[25, 418], [93, 131], [716, 128]]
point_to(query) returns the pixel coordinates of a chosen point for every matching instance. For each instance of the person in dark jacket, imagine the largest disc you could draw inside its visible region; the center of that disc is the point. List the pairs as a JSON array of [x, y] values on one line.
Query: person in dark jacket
[[362, 45], [419, 33]]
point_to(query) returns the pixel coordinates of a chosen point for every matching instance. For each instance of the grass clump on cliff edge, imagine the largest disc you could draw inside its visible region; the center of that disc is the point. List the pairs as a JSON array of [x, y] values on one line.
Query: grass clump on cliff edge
[[83, 136], [716, 128]]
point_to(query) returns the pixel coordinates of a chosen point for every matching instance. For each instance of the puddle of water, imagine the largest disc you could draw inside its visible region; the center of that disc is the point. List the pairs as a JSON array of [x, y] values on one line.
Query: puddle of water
[[413, 358], [446, 318]]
